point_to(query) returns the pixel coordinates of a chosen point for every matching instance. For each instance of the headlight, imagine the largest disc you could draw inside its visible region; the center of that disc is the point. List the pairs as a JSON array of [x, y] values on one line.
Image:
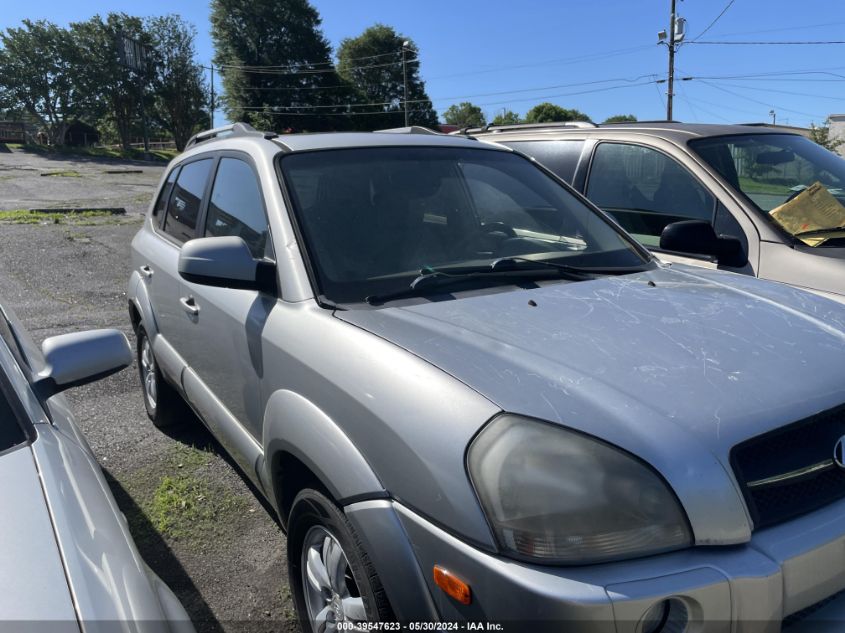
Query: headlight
[[557, 496]]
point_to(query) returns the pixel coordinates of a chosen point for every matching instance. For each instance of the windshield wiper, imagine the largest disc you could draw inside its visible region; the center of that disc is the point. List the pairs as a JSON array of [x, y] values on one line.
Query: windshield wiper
[[509, 263], [505, 268]]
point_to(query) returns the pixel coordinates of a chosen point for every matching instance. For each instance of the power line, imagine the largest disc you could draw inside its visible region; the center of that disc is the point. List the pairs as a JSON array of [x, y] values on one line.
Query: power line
[[498, 93], [395, 102], [782, 29], [802, 43], [718, 17], [567, 60], [310, 71], [785, 92], [301, 64], [767, 104]]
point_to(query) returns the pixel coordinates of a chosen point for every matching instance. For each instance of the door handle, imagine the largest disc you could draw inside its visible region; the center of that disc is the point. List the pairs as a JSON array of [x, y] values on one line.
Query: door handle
[[146, 271], [190, 305]]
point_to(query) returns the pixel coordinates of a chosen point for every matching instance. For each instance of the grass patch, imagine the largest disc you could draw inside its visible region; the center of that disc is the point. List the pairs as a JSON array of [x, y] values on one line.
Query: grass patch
[[183, 505], [67, 173], [24, 216], [160, 155]]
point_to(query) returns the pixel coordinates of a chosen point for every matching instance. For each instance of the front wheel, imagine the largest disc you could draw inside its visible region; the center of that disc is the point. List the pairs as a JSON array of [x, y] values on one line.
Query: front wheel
[[334, 584]]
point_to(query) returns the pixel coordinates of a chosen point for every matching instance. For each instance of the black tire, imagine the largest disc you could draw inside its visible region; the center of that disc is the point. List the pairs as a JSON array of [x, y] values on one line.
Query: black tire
[[168, 408], [312, 512]]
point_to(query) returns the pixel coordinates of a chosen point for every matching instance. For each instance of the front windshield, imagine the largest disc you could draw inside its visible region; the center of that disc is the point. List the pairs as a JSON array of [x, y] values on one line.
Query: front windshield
[[796, 183], [373, 218]]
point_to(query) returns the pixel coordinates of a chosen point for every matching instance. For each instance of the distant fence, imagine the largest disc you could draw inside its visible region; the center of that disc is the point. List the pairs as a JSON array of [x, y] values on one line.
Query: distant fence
[[163, 144], [12, 132]]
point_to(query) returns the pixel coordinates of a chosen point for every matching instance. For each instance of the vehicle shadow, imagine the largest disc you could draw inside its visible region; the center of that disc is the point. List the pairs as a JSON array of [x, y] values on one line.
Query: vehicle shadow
[[158, 555], [192, 432]]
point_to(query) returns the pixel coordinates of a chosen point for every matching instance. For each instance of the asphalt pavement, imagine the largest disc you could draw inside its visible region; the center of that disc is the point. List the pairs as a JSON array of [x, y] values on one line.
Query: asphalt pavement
[[192, 513], [36, 181]]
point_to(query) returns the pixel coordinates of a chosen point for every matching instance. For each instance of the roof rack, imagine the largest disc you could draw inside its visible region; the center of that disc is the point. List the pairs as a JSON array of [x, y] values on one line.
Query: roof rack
[[227, 131], [492, 128], [411, 129]]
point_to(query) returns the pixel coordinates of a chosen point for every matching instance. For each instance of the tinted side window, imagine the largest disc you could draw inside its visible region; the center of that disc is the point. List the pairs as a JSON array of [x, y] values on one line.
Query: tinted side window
[[184, 205], [561, 157], [645, 190], [164, 196], [236, 207], [10, 432]]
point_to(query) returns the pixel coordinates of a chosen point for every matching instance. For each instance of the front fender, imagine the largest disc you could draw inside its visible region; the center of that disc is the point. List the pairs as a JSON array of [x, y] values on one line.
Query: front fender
[[295, 425]]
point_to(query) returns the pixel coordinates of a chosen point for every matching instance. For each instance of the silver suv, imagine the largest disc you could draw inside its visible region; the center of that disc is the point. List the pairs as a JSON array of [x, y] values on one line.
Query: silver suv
[[470, 395], [748, 198]]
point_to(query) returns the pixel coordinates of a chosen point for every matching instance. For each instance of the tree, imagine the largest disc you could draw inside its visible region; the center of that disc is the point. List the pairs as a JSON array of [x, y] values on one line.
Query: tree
[[465, 114], [621, 118], [549, 112], [275, 63], [508, 117], [113, 92], [821, 135], [37, 66], [179, 91], [372, 66]]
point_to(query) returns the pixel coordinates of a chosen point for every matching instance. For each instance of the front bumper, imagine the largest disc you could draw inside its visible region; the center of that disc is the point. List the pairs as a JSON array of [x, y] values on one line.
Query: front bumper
[[787, 570]]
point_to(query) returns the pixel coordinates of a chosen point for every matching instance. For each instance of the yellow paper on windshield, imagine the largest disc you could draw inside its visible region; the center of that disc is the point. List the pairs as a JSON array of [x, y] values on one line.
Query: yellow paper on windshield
[[813, 209]]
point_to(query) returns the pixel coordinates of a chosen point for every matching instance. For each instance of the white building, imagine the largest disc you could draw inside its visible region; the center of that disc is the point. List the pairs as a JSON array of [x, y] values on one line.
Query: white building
[[837, 130]]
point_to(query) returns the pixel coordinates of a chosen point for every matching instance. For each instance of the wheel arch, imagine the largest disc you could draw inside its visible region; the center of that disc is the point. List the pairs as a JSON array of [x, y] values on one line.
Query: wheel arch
[[304, 447]]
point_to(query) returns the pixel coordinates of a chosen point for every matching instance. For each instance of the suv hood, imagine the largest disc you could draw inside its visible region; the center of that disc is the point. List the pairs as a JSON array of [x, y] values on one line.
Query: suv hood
[[676, 370]]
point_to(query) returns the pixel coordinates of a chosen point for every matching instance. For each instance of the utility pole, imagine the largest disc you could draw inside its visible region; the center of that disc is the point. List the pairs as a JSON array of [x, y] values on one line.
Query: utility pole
[[671, 92], [774, 116], [405, 45], [143, 115], [677, 30], [211, 104]]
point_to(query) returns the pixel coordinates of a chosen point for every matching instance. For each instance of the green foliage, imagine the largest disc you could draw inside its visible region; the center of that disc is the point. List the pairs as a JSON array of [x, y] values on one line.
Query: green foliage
[[38, 73], [179, 91], [465, 114], [821, 135], [111, 90], [184, 504], [281, 33], [550, 113], [508, 117], [621, 118], [371, 66]]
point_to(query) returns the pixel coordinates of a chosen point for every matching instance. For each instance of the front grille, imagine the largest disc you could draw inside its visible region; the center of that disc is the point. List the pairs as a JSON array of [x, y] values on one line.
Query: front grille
[[791, 471]]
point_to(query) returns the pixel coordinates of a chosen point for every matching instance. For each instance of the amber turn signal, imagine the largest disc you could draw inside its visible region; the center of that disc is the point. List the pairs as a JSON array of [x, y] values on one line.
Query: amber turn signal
[[452, 585]]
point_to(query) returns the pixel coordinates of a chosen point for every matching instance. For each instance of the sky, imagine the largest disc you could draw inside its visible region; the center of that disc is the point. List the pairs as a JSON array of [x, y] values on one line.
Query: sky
[[600, 57]]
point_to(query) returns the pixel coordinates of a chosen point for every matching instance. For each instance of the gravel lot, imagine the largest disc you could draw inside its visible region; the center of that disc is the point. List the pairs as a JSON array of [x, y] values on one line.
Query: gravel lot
[[193, 515], [35, 181]]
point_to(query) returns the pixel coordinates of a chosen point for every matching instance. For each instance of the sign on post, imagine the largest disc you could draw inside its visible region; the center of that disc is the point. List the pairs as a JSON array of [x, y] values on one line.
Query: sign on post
[[131, 53]]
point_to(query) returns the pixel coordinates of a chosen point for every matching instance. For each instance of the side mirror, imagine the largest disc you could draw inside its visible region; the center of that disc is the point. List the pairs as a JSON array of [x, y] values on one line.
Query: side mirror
[[698, 237], [82, 357], [225, 262]]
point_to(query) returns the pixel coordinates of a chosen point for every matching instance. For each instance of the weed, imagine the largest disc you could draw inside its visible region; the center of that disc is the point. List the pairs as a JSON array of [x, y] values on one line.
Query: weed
[[67, 173], [24, 216]]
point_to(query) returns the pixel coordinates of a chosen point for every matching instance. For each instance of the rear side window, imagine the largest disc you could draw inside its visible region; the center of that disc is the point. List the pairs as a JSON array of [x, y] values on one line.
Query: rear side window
[[561, 157], [11, 433], [164, 196], [236, 207], [184, 206]]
